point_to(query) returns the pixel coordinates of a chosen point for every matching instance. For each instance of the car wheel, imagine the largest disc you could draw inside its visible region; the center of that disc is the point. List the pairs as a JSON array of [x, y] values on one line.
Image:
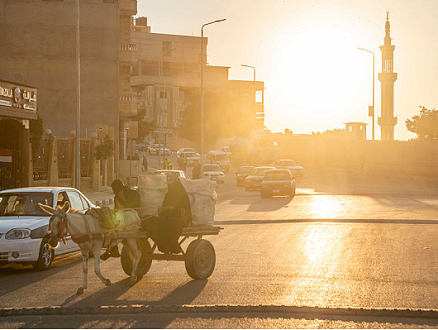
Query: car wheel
[[292, 192], [46, 256]]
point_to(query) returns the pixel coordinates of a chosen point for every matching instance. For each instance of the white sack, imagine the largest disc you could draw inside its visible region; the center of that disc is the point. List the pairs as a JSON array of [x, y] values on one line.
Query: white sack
[[152, 190], [203, 200]]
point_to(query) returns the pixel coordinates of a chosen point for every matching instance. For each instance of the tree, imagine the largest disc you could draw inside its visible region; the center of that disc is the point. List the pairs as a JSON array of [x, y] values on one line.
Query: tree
[[424, 125], [144, 127], [105, 149]]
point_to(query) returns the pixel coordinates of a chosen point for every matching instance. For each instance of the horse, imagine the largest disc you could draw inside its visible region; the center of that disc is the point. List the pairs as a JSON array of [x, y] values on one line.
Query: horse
[[87, 232]]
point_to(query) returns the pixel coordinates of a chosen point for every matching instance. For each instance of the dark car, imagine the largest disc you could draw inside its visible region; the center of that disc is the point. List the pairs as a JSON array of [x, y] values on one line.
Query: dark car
[[278, 182], [254, 179], [242, 173]]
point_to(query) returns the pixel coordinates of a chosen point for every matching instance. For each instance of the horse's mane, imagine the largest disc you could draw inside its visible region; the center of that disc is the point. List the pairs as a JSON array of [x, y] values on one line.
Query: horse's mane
[[75, 211]]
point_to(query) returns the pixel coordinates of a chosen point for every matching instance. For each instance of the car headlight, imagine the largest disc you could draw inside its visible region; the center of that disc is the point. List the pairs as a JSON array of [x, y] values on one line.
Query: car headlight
[[18, 233]]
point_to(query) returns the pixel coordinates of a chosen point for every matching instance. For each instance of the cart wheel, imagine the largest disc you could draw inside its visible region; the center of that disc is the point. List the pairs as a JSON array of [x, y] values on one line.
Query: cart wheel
[[144, 264], [200, 259]]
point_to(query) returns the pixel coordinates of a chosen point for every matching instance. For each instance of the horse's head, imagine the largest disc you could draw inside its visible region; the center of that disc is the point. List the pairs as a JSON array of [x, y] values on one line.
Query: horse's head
[[57, 223]]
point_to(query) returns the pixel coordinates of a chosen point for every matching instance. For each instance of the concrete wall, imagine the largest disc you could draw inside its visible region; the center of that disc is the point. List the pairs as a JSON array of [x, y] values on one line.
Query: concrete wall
[[396, 157], [38, 48]]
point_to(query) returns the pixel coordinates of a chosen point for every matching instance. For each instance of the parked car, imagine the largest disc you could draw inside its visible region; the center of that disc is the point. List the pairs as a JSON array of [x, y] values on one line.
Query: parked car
[[226, 149], [242, 173], [171, 174], [182, 150], [153, 150], [24, 226], [254, 179], [278, 182], [192, 158], [220, 158], [291, 165], [214, 173]]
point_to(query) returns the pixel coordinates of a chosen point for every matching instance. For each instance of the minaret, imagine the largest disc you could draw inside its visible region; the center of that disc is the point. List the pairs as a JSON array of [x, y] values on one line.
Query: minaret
[[387, 78]]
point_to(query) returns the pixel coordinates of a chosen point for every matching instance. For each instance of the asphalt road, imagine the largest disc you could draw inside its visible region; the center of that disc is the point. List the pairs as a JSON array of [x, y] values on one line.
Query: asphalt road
[[348, 246]]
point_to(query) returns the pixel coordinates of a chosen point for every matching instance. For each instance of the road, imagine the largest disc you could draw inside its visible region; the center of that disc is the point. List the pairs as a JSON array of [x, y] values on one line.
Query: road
[[346, 244]]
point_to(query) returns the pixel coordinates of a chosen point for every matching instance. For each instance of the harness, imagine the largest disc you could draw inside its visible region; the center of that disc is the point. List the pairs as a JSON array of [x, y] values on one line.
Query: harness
[[62, 226]]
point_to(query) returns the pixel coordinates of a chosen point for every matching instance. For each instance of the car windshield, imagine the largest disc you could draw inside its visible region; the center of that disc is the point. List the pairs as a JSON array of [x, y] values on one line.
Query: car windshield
[[212, 168], [190, 154], [245, 169], [24, 203], [277, 176], [188, 150], [260, 171], [289, 163]]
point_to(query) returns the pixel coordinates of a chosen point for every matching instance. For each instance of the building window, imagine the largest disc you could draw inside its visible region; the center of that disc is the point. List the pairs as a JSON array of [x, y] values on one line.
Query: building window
[[163, 95]]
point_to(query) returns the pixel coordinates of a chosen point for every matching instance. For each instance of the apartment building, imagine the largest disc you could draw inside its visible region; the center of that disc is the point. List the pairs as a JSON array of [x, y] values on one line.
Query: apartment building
[[168, 68]]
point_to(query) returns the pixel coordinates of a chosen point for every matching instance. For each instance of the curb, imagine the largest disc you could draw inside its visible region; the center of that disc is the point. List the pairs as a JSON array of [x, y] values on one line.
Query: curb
[[201, 309]]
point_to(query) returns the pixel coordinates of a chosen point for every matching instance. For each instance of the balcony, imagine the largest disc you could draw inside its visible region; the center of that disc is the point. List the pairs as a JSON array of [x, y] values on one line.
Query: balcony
[[128, 7], [128, 53], [127, 104], [181, 81]]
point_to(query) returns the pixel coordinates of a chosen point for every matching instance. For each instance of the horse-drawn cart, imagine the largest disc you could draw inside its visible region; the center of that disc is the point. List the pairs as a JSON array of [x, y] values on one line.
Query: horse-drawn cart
[[199, 258]]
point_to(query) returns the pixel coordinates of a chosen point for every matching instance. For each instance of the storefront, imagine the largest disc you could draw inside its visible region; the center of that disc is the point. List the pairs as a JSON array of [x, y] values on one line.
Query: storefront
[[18, 105]]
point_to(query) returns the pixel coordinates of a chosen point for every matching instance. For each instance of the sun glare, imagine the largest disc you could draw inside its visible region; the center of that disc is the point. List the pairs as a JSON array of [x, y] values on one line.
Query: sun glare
[[322, 74]]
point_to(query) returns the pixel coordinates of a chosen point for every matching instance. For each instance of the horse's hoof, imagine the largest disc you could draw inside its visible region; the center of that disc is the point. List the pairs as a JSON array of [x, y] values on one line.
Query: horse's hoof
[[131, 282], [80, 290], [107, 282], [139, 277]]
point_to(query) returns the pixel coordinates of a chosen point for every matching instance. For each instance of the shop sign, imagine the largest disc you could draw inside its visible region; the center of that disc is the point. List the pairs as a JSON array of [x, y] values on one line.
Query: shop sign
[[17, 96]]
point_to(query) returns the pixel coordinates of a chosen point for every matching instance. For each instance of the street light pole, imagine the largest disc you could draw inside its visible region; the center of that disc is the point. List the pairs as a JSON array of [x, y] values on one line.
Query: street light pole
[[249, 66], [78, 99], [372, 114], [202, 89]]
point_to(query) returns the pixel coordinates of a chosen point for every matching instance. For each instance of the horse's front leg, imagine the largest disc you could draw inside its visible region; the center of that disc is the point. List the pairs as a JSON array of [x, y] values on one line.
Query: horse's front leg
[[85, 270], [96, 252], [135, 254]]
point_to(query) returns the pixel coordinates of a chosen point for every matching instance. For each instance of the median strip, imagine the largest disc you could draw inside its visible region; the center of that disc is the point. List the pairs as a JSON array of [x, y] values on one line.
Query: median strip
[[209, 309]]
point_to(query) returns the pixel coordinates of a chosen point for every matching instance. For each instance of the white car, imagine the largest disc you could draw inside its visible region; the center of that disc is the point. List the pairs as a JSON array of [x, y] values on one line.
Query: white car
[[290, 165], [192, 158], [214, 173], [171, 174], [153, 150], [24, 226], [182, 150]]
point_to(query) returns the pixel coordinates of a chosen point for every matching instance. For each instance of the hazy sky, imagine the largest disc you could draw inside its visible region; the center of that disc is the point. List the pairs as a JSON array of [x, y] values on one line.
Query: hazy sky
[[306, 53]]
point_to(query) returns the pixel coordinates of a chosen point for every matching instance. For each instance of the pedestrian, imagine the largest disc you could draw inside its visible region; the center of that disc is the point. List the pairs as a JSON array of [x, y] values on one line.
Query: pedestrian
[[124, 198], [184, 164], [145, 163], [169, 164], [196, 173]]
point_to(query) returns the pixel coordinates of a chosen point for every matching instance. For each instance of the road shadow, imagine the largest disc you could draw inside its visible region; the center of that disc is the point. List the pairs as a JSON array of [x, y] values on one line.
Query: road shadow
[[110, 295], [25, 275]]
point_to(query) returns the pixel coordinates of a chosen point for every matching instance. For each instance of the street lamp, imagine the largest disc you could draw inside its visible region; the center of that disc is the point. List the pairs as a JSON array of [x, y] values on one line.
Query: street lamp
[[160, 112], [371, 110], [249, 66], [202, 89], [78, 99]]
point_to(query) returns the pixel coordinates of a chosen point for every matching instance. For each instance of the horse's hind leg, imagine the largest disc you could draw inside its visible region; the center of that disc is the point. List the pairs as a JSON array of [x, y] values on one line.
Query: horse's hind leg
[[85, 270], [96, 252], [136, 252]]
